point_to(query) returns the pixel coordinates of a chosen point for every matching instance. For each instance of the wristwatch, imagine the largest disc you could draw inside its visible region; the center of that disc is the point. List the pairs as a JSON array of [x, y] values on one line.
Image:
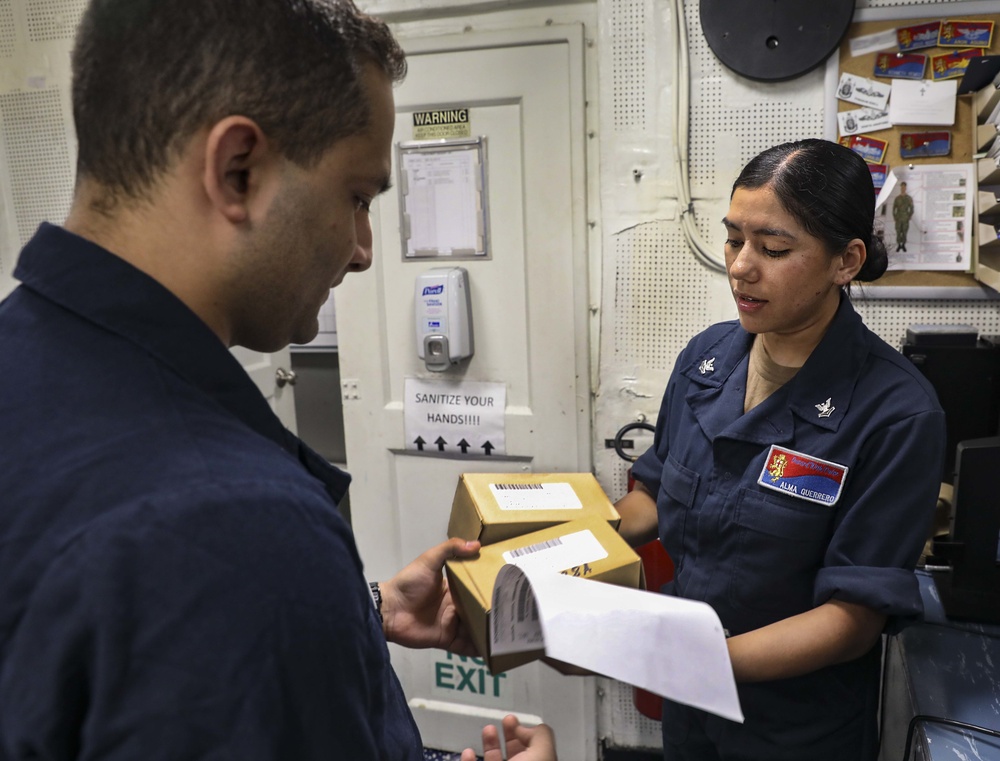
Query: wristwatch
[[377, 599]]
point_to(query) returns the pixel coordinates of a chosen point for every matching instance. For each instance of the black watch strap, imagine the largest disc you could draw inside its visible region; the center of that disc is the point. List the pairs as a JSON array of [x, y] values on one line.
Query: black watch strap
[[377, 597]]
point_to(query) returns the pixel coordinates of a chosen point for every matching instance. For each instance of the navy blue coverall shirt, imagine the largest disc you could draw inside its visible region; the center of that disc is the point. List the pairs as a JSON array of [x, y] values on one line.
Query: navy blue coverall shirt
[[823, 491], [175, 579]]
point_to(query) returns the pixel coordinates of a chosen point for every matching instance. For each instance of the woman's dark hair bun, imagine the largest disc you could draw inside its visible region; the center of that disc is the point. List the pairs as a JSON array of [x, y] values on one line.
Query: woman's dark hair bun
[[876, 263]]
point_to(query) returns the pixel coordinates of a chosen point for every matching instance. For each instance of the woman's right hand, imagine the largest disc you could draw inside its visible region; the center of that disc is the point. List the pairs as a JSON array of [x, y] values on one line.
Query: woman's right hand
[[523, 743]]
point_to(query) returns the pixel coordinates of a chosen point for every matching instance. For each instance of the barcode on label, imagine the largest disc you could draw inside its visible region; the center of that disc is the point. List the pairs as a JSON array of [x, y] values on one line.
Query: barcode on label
[[559, 553], [548, 496], [547, 544]]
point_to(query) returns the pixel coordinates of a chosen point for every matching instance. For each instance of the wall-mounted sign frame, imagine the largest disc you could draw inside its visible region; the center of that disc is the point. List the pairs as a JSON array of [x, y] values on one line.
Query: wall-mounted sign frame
[[443, 203]]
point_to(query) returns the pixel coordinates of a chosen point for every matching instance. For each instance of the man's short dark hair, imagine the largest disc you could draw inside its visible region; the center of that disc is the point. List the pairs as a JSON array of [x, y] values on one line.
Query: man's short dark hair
[[148, 74]]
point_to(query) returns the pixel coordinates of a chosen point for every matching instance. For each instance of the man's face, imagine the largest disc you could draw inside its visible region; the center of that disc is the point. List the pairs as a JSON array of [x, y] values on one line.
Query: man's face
[[316, 230]]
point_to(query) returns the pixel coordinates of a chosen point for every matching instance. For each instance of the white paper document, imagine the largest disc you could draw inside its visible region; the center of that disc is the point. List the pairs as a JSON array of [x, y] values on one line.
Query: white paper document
[[863, 92], [921, 101], [668, 646], [861, 120], [871, 43], [442, 202]]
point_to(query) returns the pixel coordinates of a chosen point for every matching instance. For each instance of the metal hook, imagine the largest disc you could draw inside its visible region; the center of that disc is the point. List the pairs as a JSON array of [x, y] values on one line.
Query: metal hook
[[621, 434]]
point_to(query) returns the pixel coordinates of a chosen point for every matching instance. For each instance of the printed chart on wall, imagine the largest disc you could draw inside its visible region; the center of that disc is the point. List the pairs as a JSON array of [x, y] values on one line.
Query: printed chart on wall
[[897, 93], [442, 197]]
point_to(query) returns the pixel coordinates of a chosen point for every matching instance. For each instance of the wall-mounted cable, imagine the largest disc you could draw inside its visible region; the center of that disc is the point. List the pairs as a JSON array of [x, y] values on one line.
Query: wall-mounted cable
[[682, 123]]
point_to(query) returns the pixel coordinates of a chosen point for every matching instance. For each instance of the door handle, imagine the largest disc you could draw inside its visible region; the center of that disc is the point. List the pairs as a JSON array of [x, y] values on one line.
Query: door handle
[[284, 377]]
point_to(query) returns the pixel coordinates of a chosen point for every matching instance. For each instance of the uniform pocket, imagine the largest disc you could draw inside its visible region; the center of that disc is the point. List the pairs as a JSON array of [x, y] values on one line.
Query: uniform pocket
[[678, 487], [780, 548]]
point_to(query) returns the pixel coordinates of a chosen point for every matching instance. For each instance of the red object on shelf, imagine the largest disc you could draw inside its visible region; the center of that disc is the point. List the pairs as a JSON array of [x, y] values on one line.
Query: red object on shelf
[[659, 569]]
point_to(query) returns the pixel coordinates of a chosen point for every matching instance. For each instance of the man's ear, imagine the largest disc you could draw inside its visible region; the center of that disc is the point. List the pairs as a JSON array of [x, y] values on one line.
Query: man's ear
[[234, 153], [851, 261]]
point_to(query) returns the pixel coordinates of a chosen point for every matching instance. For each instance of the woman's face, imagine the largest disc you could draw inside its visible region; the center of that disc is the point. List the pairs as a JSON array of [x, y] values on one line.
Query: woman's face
[[784, 280]]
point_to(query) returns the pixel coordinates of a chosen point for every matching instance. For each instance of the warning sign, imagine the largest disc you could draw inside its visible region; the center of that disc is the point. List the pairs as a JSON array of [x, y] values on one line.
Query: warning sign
[[455, 417], [442, 124]]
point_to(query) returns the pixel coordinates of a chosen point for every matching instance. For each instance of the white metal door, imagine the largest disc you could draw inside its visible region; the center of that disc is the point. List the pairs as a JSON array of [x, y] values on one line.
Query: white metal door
[[524, 92]]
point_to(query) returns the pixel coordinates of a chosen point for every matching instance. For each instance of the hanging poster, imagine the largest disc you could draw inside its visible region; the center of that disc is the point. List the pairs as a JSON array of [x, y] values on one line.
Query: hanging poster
[[923, 215]]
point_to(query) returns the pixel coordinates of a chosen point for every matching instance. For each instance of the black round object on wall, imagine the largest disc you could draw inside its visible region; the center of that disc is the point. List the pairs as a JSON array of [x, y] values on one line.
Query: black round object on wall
[[774, 40]]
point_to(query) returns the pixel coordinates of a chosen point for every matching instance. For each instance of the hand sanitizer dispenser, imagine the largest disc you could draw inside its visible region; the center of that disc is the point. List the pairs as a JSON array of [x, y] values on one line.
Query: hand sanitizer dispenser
[[443, 317]]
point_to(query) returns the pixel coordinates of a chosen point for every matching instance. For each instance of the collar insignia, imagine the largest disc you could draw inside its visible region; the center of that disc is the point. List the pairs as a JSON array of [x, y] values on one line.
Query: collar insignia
[[825, 408], [707, 366]]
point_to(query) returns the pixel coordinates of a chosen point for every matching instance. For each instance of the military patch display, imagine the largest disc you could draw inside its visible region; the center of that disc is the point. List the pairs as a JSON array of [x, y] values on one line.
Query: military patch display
[[918, 145], [900, 65]]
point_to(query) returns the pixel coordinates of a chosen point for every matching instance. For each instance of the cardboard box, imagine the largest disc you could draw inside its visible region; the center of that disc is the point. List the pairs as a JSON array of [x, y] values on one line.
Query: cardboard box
[[492, 507], [471, 581]]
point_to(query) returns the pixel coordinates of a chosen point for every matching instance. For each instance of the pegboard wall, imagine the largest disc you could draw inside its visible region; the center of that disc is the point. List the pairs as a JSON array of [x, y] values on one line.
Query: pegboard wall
[[37, 143], [49, 20], [891, 317], [628, 94], [658, 291], [8, 31], [752, 115], [37, 157], [626, 727]]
